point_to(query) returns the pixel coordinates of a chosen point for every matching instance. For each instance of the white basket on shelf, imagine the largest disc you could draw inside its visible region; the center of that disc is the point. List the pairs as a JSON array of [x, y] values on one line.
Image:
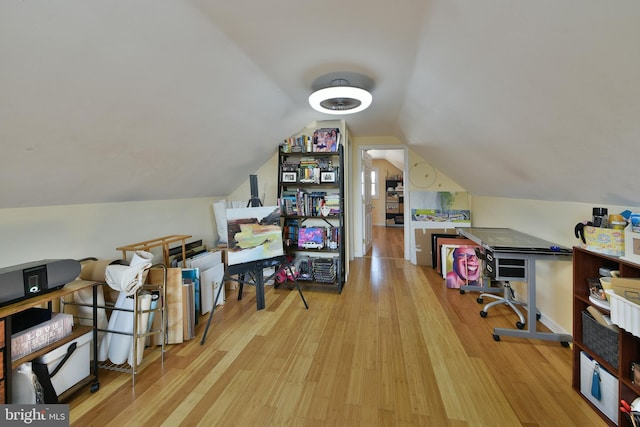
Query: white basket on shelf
[[624, 313]]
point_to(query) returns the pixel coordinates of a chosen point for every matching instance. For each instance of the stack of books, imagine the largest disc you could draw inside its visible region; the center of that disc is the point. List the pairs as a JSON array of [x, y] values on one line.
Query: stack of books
[[332, 200], [309, 170], [324, 270]]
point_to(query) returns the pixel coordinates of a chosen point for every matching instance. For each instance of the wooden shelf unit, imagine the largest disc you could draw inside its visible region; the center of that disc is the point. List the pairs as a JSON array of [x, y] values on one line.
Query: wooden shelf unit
[[586, 265], [7, 365]]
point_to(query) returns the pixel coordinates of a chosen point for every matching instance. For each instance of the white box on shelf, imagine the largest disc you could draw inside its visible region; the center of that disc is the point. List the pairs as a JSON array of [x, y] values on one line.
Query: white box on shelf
[[624, 313], [75, 368], [631, 245], [608, 402]]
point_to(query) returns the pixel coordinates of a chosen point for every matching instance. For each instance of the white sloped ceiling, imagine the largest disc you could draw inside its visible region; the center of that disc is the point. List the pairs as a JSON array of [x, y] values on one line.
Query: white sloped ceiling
[[142, 100]]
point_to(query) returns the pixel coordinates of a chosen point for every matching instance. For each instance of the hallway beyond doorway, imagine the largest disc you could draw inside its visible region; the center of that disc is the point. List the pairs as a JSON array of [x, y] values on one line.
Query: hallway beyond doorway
[[388, 242]]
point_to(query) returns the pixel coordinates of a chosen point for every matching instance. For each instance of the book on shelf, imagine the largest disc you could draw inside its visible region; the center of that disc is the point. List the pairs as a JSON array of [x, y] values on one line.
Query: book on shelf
[[332, 200], [299, 144], [324, 270], [290, 232]]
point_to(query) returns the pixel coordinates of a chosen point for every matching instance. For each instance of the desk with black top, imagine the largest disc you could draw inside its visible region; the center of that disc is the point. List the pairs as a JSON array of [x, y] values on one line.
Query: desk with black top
[[511, 255]]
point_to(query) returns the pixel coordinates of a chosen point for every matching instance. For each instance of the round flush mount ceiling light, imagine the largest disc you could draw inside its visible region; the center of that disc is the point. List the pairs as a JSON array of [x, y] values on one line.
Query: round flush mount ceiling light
[[340, 98]]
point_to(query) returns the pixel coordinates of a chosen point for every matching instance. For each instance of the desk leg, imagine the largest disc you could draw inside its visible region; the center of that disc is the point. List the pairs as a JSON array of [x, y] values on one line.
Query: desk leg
[[260, 289], [531, 332]]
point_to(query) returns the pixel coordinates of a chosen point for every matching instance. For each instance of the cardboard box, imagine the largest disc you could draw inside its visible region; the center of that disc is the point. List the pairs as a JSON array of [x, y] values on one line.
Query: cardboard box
[[605, 240], [75, 368], [627, 288], [423, 244]]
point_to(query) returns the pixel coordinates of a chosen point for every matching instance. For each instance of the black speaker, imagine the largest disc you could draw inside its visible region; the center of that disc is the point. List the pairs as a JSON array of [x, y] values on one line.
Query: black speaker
[[27, 280]]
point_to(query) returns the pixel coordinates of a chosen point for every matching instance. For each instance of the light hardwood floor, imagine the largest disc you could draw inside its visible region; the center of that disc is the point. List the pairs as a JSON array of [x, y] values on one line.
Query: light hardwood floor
[[396, 348]]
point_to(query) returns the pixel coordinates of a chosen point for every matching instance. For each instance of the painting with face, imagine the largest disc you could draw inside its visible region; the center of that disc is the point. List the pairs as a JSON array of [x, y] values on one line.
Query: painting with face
[[463, 268]]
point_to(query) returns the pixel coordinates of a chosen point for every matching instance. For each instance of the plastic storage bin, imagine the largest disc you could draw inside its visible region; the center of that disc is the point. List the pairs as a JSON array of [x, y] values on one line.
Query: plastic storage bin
[[624, 313], [75, 368]]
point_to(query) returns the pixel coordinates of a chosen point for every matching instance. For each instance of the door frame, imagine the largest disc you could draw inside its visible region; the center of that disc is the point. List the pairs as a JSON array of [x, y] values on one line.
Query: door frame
[[359, 212]]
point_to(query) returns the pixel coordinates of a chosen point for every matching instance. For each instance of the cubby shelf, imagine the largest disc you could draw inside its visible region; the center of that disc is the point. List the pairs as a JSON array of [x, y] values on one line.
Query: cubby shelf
[[586, 265]]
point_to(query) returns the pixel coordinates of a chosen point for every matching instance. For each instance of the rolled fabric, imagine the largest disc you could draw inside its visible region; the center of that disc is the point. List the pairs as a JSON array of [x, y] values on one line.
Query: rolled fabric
[[126, 278], [141, 257], [120, 344], [103, 349], [144, 304]]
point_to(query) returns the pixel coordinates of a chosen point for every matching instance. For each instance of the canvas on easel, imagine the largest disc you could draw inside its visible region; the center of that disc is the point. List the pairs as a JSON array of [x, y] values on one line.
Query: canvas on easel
[[254, 234]]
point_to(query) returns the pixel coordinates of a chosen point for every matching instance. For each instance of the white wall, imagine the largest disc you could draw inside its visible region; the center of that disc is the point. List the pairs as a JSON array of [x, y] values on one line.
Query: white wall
[[95, 230], [267, 183]]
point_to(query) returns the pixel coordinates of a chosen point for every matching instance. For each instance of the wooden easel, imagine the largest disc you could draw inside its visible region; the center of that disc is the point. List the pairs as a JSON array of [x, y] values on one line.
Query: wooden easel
[[255, 271]]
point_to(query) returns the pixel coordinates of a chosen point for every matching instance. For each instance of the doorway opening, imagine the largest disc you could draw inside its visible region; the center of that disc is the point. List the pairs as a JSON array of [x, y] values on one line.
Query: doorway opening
[[384, 198]]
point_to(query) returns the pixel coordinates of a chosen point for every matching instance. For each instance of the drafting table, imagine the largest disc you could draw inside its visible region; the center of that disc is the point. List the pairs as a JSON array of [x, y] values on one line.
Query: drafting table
[[512, 255]]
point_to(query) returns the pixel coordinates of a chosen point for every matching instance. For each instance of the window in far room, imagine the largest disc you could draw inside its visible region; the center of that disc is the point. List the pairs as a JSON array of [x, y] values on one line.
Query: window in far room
[[373, 191], [374, 183]]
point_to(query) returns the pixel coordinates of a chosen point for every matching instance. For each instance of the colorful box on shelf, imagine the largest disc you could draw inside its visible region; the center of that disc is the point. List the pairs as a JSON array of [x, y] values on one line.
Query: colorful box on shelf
[[624, 313], [41, 335], [605, 240]]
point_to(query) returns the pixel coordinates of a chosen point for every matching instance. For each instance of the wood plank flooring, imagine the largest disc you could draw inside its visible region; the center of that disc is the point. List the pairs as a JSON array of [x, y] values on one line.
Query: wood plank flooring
[[396, 348]]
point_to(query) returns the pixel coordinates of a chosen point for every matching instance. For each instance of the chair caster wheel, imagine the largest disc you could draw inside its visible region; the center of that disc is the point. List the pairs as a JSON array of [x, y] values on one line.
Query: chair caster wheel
[[519, 325], [461, 291], [95, 387], [483, 313], [564, 344], [496, 337]]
